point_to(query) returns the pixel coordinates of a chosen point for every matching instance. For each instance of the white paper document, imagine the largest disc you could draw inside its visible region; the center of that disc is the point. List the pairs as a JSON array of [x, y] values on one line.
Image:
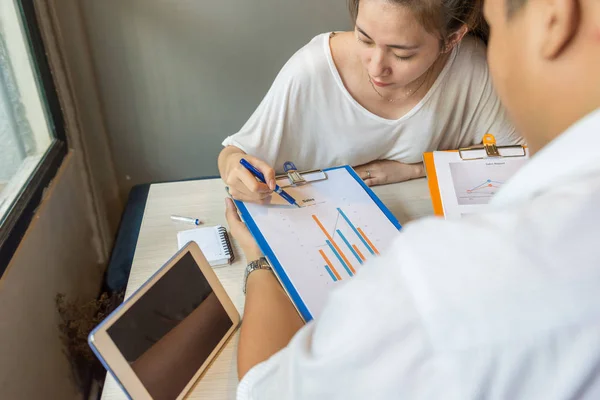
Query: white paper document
[[324, 244], [467, 186]]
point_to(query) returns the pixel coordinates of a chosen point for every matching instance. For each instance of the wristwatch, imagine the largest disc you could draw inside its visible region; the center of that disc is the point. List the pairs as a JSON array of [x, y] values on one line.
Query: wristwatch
[[261, 263]]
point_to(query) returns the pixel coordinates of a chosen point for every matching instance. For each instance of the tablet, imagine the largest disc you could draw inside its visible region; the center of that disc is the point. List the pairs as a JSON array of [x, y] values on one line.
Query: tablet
[[163, 337]]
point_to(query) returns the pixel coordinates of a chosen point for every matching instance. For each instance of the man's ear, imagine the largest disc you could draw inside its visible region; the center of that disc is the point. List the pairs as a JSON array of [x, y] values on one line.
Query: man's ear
[[455, 38], [561, 23]]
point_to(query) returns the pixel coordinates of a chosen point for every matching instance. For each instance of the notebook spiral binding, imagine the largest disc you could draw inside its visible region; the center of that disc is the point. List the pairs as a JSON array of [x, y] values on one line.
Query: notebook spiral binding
[[226, 243]]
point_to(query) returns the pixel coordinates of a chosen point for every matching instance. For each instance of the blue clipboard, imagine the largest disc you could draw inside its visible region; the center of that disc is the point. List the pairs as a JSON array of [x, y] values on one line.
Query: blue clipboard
[[276, 265]]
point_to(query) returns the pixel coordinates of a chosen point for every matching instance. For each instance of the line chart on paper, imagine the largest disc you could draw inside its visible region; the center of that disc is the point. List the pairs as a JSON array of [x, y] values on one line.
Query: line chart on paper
[[478, 185]]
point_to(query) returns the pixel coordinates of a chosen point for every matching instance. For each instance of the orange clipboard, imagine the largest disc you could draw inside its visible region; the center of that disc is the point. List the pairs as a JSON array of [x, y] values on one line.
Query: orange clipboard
[[488, 149]]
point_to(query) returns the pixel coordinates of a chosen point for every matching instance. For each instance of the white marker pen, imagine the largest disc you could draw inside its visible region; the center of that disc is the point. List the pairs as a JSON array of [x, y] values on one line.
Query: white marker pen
[[188, 220]]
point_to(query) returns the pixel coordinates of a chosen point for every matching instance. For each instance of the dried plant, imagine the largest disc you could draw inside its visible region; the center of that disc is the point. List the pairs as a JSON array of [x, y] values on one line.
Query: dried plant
[[77, 319]]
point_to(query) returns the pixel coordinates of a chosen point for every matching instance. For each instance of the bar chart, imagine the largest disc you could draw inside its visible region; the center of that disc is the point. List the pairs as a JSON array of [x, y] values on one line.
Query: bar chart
[[316, 249], [345, 250]]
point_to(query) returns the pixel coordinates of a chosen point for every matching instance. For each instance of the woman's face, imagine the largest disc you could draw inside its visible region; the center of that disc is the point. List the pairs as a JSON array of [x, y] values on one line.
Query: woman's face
[[394, 48]]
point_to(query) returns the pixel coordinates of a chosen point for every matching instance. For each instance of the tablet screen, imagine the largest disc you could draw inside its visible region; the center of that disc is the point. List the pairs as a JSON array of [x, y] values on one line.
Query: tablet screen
[[171, 330]]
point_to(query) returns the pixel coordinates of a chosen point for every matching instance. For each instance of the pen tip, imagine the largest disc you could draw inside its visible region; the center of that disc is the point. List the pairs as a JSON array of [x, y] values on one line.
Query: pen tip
[[298, 205]]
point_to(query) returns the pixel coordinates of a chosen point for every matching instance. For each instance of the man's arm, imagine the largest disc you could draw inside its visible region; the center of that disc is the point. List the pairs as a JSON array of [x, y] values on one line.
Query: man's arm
[[270, 321]]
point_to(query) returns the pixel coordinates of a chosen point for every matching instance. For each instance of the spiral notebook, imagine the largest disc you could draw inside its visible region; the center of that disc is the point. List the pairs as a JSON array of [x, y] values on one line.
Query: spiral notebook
[[213, 241]]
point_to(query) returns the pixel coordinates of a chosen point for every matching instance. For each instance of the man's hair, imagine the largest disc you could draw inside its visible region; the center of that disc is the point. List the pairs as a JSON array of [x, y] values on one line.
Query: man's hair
[[514, 5]]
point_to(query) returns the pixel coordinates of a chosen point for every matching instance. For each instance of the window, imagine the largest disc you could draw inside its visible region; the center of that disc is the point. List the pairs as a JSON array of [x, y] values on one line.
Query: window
[[32, 138]]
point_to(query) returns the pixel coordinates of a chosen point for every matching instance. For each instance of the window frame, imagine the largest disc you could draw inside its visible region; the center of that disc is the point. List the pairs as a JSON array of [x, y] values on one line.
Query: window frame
[[21, 213]]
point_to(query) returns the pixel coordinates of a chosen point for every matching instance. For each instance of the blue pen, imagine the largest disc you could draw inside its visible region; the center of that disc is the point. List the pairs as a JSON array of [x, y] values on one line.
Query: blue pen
[[261, 178]]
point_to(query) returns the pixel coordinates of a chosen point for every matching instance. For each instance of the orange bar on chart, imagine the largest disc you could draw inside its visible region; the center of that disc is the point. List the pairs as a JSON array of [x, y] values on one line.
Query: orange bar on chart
[[334, 243], [368, 241], [358, 252], [339, 278]]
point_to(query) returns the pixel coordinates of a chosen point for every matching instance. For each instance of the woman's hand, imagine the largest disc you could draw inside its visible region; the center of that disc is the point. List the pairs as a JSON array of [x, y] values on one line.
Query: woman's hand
[[240, 232], [242, 184], [383, 172]]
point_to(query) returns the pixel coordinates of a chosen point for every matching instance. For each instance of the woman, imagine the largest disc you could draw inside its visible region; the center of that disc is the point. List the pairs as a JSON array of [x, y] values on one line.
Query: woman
[[407, 80]]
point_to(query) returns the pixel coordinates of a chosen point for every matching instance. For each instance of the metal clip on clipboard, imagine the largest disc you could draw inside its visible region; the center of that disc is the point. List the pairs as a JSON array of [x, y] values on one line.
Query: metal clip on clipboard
[[297, 178], [489, 149]]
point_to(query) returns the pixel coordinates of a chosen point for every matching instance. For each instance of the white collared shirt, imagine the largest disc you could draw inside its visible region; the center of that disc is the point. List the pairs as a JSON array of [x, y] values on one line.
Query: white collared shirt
[[502, 305]]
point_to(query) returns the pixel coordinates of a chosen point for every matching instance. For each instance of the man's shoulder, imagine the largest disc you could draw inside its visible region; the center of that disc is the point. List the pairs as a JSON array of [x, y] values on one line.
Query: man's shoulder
[[529, 232], [477, 281]]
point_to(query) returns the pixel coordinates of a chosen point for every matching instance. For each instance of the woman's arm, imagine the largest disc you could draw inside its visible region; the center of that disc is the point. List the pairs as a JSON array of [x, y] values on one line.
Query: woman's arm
[[383, 172], [224, 157]]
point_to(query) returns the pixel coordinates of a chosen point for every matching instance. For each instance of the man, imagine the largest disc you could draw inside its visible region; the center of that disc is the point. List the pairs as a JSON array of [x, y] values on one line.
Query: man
[[503, 305]]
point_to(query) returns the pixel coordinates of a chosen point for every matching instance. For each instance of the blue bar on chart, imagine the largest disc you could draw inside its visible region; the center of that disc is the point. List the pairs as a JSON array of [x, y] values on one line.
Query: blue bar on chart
[[330, 273], [339, 257], [362, 239], [349, 246]]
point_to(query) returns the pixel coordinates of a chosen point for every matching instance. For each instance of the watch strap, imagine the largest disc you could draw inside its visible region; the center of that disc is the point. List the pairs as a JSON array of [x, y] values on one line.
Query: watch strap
[[261, 263]]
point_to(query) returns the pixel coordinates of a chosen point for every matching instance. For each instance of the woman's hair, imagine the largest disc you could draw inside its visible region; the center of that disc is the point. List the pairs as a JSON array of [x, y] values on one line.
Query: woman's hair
[[443, 17]]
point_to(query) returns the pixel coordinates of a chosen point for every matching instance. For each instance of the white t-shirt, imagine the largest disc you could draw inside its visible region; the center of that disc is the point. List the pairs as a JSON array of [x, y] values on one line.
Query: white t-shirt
[[308, 117], [500, 305]]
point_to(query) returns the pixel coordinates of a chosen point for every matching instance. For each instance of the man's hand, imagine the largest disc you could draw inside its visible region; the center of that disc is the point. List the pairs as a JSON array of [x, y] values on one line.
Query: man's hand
[[240, 232], [383, 172], [242, 184]]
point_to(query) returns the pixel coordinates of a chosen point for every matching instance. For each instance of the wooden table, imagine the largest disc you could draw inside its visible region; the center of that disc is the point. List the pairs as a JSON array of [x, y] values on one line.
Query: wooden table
[[157, 242]]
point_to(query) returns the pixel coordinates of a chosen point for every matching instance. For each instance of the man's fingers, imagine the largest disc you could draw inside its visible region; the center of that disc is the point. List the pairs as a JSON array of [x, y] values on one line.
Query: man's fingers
[[231, 215], [237, 227], [231, 211]]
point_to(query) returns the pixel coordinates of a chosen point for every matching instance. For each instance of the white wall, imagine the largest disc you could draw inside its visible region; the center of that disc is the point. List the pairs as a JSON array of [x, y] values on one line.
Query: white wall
[[176, 77]]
